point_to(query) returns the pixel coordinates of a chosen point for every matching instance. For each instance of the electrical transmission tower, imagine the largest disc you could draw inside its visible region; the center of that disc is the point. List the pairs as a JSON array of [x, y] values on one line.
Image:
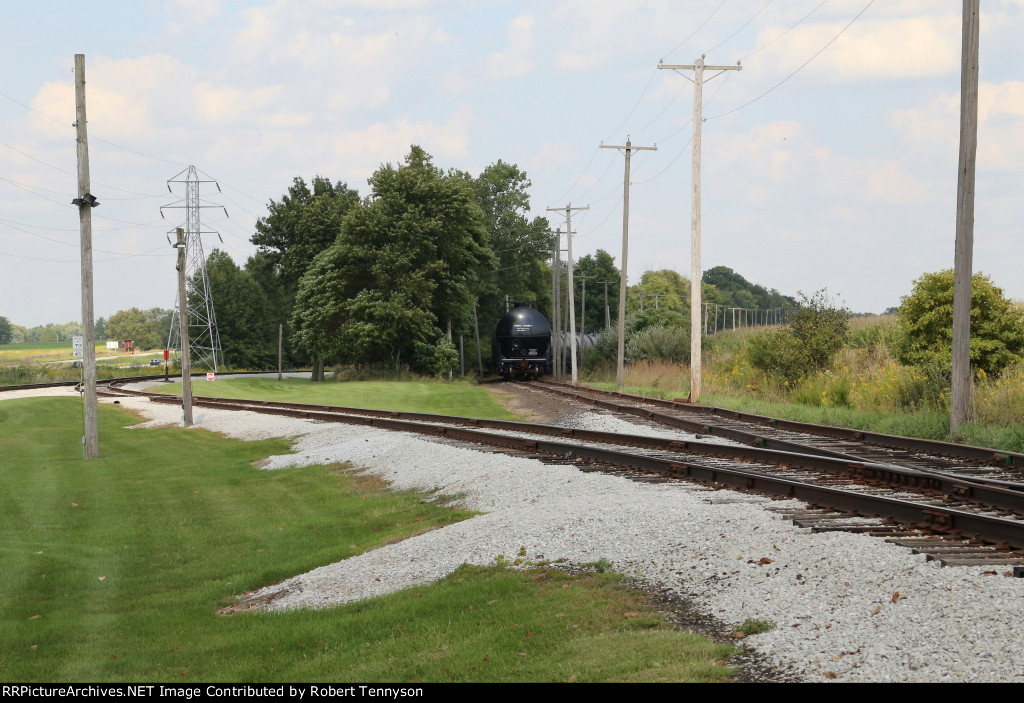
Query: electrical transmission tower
[[203, 337]]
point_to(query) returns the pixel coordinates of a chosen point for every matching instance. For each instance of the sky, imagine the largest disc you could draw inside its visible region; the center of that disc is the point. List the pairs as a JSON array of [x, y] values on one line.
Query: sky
[[828, 161]]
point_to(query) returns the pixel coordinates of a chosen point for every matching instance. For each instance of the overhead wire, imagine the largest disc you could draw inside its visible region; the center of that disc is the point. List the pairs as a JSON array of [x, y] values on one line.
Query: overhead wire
[[694, 32], [741, 28], [791, 28], [801, 67]]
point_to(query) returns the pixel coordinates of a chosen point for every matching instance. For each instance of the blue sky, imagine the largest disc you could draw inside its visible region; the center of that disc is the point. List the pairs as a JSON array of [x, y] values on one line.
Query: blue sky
[[839, 174]]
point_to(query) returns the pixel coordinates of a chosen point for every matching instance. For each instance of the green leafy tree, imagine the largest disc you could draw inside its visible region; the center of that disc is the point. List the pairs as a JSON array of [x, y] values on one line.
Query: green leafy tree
[[925, 322], [599, 267], [6, 331], [405, 264], [736, 291], [129, 324], [670, 288], [148, 328], [521, 246], [808, 342], [304, 223], [248, 335]]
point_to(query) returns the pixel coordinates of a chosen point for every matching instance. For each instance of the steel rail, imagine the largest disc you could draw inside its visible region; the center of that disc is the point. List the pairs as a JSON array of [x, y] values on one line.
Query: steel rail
[[758, 440], [985, 455], [940, 519]]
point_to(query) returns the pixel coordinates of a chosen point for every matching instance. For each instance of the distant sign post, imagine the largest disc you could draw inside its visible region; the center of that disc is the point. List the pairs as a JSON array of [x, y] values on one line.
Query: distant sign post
[[209, 376], [78, 346]]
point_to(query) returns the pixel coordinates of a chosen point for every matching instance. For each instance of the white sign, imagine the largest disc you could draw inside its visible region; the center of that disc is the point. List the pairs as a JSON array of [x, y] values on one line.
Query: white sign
[[77, 346], [209, 376]]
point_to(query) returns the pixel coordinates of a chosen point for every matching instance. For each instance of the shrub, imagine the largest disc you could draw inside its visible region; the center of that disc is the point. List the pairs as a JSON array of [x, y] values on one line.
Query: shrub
[[659, 343], [807, 343], [926, 324]]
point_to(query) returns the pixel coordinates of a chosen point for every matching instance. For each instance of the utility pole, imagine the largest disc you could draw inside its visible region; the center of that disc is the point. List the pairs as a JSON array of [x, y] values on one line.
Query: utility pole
[[186, 351], [698, 81], [86, 201], [280, 348], [572, 299], [556, 265], [961, 400], [556, 305], [620, 369]]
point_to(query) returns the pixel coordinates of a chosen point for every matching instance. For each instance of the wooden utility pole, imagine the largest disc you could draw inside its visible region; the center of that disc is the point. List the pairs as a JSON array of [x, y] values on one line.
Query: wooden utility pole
[[620, 371], [186, 355], [698, 81], [572, 298], [86, 202], [961, 395], [556, 305]]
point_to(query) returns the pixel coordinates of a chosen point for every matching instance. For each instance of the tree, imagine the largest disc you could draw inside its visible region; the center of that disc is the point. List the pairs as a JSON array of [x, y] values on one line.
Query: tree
[[129, 324], [6, 331], [248, 335], [598, 267], [148, 328], [925, 324], [304, 223], [670, 288], [297, 229], [807, 342], [521, 246], [404, 264]]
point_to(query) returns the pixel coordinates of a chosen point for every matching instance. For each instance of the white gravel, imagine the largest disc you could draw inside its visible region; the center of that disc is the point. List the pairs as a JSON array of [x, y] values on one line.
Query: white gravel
[[832, 595]]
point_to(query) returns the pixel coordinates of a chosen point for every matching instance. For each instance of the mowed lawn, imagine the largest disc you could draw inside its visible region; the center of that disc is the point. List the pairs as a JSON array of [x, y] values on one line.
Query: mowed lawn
[[114, 570], [460, 399]]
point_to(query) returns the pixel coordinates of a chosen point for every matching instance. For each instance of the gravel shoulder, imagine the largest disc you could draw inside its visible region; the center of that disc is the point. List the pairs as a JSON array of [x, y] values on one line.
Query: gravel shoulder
[[847, 607]]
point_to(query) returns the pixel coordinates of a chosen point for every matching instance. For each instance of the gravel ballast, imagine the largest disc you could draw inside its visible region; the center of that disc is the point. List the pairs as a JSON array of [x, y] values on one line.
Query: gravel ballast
[[847, 607]]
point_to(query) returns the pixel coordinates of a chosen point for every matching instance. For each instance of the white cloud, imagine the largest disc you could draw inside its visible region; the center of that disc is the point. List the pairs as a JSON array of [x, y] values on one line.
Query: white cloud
[[935, 126], [520, 56], [185, 15], [911, 47], [226, 104], [363, 151]]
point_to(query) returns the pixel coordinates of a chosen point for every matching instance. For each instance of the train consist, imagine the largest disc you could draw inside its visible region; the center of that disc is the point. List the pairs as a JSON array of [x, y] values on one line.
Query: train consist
[[522, 344]]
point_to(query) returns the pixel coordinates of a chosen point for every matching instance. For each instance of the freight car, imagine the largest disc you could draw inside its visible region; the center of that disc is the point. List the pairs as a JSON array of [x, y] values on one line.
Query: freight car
[[522, 344]]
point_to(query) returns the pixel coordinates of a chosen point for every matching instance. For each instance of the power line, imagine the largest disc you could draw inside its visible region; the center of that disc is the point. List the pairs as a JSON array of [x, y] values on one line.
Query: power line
[[802, 66], [742, 26], [699, 26], [791, 28]]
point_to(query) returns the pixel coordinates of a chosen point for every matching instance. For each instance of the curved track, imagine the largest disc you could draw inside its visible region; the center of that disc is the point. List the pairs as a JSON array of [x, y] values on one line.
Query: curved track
[[985, 522], [957, 519]]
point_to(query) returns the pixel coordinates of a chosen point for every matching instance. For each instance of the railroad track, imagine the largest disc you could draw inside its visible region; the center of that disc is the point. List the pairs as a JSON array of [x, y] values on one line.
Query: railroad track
[[990, 466], [956, 520]]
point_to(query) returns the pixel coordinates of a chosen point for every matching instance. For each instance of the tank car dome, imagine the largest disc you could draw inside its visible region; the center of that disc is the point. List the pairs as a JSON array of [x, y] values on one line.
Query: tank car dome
[[523, 322]]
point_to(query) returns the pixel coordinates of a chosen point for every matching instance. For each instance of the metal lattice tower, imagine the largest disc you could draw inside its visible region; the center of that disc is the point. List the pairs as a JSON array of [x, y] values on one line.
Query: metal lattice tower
[[204, 339]]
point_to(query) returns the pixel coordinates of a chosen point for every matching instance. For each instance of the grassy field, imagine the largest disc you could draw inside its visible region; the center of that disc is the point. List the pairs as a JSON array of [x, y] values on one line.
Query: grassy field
[[114, 570], [47, 352], [460, 399]]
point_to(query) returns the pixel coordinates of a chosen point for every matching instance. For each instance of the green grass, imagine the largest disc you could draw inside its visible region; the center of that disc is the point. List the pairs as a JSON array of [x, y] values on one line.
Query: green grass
[[114, 570], [460, 399]]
